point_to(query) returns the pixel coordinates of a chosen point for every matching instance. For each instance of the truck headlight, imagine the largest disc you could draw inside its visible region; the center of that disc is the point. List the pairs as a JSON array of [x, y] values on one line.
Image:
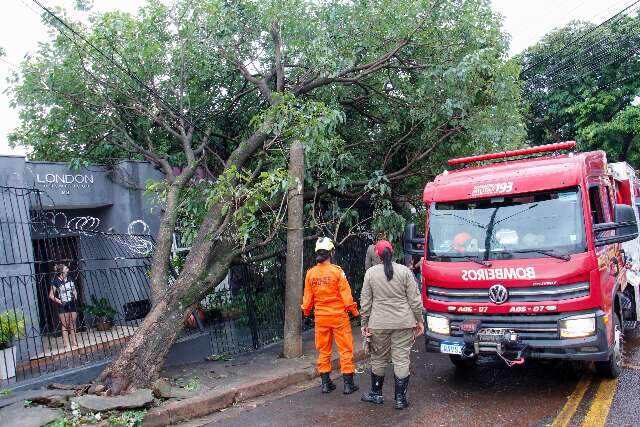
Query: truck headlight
[[578, 326], [438, 324]]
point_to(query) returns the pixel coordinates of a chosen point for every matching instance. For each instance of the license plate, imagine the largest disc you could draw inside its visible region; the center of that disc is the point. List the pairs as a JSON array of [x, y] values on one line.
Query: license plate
[[448, 347]]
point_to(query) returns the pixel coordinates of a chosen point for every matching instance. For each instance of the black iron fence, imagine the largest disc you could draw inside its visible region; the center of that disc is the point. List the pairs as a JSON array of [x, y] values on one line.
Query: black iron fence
[[49, 337], [49, 325], [40, 336], [246, 311]]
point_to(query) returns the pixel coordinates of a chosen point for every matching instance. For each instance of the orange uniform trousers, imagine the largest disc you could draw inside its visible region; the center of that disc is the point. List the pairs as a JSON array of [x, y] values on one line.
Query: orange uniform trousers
[[338, 327]]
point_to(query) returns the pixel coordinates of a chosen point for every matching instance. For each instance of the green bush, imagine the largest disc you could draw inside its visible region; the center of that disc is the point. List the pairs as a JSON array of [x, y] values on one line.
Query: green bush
[[100, 309], [11, 327]]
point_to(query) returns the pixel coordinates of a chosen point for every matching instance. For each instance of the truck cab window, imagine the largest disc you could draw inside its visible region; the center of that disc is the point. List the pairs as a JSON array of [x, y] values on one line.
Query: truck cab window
[[507, 227], [608, 207], [595, 204]]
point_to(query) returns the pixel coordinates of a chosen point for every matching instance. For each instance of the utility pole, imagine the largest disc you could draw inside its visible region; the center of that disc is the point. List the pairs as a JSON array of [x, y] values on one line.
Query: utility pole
[[295, 245]]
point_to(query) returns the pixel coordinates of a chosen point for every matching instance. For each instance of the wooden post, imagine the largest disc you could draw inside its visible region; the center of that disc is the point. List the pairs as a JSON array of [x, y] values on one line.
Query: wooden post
[[295, 244]]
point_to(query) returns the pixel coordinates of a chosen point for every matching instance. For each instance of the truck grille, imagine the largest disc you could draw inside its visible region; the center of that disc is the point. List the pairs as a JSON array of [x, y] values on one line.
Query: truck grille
[[531, 327], [529, 294]]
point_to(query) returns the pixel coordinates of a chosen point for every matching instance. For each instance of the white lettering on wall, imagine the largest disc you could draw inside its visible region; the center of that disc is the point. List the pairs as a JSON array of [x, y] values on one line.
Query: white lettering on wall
[[64, 182], [51, 178]]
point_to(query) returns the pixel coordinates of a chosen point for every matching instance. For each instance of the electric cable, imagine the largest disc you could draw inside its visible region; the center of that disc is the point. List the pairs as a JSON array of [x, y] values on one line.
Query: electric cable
[[119, 66], [577, 39]]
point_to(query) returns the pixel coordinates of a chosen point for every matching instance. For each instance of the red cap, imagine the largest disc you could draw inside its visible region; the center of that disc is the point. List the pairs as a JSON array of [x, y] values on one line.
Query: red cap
[[381, 246]]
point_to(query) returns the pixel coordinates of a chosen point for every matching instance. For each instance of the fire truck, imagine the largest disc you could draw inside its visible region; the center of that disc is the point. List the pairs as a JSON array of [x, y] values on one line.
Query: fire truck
[[530, 254]]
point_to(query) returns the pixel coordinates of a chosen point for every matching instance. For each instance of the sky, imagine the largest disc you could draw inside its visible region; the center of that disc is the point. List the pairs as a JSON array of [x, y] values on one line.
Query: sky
[[525, 20]]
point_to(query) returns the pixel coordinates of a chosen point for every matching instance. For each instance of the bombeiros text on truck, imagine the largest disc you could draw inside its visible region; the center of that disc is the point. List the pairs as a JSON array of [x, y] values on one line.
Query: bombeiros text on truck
[[531, 253]]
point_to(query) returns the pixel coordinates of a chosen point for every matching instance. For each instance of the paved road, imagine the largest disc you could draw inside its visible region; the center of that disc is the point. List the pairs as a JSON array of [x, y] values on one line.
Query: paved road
[[537, 394], [492, 394]]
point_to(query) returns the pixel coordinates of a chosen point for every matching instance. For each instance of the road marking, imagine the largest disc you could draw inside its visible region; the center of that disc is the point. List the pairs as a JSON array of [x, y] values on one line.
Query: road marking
[[599, 410], [570, 408]]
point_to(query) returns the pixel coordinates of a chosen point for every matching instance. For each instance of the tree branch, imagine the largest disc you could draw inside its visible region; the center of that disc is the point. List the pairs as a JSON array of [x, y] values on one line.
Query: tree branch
[[277, 45]]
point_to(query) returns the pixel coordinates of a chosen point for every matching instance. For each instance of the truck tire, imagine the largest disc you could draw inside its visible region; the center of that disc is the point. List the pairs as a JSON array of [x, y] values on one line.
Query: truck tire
[[463, 362], [613, 367]]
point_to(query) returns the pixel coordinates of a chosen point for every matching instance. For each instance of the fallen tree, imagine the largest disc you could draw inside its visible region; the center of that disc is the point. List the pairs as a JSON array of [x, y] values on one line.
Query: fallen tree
[[378, 92]]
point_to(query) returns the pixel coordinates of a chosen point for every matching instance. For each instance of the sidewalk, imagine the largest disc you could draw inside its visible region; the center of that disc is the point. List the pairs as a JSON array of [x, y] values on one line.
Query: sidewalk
[[220, 384]]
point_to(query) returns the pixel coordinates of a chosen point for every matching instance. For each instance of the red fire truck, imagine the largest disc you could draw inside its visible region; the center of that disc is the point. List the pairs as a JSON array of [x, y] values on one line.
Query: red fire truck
[[524, 257]]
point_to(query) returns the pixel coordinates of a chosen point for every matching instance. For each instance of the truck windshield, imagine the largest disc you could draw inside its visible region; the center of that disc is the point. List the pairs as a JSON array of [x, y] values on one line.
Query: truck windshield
[[532, 225]]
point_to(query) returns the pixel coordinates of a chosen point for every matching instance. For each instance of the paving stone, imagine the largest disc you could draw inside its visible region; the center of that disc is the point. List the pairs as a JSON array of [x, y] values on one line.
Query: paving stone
[[162, 388], [39, 396], [138, 399], [34, 416]]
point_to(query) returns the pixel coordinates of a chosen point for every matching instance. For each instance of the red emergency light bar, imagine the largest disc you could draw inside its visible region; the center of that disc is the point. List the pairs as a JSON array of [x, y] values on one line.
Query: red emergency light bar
[[522, 152]]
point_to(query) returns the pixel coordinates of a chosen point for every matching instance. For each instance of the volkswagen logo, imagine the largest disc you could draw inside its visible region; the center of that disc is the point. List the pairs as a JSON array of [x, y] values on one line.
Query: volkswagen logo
[[498, 294]]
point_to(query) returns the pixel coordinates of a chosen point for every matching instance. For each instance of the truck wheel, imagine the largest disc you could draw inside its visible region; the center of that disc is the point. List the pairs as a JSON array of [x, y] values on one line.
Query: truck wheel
[[463, 362], [613, 367]]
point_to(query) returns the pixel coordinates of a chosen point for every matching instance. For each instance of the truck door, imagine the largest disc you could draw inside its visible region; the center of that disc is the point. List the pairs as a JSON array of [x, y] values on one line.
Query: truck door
[[601, 212]]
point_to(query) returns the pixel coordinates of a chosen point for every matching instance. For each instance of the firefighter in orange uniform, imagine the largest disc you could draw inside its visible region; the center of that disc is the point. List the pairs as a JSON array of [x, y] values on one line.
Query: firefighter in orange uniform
[[327, 291]]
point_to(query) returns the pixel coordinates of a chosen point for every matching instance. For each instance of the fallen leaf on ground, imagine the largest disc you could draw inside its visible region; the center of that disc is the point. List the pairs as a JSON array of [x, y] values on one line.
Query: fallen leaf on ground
[[218, 358]]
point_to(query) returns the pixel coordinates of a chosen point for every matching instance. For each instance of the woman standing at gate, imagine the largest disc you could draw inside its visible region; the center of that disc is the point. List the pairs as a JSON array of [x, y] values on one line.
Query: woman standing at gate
[[391, 310], [66, 301]]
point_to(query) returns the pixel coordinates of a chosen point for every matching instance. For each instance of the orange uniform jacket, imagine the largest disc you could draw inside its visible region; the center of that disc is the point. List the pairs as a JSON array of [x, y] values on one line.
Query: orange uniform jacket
[[327, 290]]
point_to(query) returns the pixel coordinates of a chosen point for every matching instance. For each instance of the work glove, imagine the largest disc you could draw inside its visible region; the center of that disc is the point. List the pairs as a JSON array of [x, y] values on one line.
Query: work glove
[[307, 320]]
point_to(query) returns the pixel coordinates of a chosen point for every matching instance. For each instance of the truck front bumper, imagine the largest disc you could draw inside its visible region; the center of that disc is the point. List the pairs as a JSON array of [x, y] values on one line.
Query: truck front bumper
[[538, 337]]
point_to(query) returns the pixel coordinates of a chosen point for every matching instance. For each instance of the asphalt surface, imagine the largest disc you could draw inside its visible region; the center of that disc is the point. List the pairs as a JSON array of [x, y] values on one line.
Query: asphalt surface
[[440, 395], [558, 394], [625, 407]]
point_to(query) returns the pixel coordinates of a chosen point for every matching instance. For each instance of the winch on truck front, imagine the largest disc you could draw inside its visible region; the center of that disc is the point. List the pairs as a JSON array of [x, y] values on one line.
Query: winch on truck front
[[523, 258]]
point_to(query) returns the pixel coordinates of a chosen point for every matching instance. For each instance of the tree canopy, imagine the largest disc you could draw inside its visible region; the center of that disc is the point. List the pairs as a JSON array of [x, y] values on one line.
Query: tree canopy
[[380, 92], [582, 82]]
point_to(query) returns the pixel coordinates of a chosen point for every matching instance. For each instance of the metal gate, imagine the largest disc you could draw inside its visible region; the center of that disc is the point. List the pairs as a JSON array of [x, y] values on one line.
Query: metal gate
[[109, 272]]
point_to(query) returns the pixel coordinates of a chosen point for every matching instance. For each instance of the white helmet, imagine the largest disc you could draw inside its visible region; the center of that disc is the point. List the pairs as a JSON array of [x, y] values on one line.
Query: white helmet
[[324, 243]]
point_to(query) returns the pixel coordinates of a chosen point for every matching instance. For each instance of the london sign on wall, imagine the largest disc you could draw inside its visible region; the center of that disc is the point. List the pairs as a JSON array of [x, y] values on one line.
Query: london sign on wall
[[64, 182]]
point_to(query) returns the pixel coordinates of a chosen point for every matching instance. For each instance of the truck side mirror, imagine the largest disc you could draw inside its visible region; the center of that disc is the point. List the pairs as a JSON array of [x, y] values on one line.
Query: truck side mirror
[[626, 219], [626, 226], [411, 241]]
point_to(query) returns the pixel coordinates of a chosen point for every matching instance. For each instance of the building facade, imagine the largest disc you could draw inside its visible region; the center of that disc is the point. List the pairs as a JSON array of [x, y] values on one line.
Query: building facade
[[98, 222]]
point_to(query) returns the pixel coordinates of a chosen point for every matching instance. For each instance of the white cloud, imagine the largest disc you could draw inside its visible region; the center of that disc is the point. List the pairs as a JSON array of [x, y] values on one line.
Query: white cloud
[[20, 31]]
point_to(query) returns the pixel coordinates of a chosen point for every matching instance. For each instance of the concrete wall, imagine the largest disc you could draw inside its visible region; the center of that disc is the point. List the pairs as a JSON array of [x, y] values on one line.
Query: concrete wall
[[132, 211], [190, 349], [115, 197]]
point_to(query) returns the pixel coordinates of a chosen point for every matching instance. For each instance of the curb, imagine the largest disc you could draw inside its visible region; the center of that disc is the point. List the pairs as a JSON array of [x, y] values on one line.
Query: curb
[[213, 401]]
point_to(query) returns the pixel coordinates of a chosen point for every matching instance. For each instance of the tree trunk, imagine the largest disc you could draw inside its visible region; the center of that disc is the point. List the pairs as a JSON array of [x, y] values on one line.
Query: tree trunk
[[626, 147], [164, 239], [208, 262], [141, 359], [295, 244]]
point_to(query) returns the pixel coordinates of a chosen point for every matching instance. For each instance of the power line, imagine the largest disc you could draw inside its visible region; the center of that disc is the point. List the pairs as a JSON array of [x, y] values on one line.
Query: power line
[[573, 42], [119, 66], [577, 39], [125, 81], [607, 45], [615, 51], [592, 57]]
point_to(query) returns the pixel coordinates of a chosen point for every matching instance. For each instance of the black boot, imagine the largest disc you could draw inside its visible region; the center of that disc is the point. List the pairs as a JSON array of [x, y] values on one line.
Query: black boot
[[401, 392], [375, 395], [327, 385], [349, 386]]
